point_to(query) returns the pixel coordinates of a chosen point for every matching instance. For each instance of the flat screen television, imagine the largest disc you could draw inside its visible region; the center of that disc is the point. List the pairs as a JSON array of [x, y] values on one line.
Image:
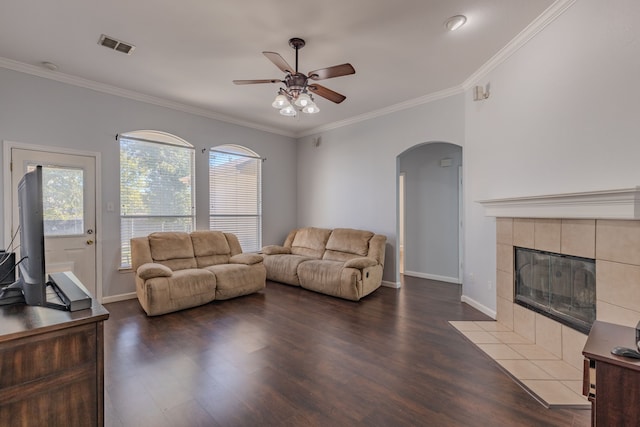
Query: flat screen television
[[31, 286]]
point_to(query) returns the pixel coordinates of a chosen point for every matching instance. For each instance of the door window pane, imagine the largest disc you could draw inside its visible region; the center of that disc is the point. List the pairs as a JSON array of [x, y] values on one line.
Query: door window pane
[[63, 201]]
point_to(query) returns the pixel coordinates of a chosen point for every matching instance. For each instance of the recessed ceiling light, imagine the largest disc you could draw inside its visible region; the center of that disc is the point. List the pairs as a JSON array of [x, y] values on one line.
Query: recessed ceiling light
[[49, 65], [455, 22]]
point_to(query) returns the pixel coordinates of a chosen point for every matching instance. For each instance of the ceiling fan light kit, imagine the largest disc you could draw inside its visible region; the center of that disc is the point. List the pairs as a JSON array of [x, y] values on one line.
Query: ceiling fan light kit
[[296, 94]]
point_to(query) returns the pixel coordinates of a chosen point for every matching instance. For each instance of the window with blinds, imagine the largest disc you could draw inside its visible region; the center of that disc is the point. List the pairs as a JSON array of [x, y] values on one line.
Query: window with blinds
[[156, 186], [235, 194]]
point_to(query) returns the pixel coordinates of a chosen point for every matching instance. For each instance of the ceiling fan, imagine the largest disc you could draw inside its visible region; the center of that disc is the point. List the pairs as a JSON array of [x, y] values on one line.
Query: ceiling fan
[[297, 86]]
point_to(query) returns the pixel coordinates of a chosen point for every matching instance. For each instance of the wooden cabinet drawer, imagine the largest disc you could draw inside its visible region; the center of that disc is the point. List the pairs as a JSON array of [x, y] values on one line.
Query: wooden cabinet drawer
[[36, 357]]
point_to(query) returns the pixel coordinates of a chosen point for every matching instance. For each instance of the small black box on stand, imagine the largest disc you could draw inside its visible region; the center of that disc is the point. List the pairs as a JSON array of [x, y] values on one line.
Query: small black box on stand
[[7, 268]]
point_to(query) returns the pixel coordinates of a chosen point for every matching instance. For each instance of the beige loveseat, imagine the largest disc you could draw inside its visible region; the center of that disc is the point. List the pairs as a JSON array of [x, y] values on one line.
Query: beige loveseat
[[342, 262], [181, 270]]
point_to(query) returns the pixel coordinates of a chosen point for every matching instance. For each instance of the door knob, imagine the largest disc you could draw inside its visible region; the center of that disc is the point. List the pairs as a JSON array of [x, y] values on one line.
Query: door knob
[[89, 242]]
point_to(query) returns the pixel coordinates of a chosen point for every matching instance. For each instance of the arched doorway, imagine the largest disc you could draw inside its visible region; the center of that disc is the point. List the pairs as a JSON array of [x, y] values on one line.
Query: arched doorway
[[429, 210]]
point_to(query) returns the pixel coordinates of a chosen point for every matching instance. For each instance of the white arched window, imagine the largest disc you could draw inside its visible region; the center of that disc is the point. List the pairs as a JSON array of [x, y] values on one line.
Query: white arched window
[[235, 194], [156, 186]]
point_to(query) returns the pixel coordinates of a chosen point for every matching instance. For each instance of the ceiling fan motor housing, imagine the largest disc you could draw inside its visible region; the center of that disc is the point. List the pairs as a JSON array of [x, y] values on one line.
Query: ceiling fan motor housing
[[295, 81], [296, 43]]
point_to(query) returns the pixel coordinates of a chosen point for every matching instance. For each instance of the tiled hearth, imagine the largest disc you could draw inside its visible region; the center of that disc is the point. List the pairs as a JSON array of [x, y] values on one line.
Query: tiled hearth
[[551, 380], [614, 244]]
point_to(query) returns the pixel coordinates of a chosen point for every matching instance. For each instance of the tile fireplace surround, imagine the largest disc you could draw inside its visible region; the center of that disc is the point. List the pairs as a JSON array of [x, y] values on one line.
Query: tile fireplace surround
[[604, 226]]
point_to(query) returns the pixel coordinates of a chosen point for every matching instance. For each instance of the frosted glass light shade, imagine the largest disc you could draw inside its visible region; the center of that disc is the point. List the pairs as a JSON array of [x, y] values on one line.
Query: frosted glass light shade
[[288, 111], [281, 101], [311, 108], [303, 100]]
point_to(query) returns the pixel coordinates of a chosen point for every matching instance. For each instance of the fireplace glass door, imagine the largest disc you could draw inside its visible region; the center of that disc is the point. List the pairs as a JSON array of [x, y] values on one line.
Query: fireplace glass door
[[558, 286]]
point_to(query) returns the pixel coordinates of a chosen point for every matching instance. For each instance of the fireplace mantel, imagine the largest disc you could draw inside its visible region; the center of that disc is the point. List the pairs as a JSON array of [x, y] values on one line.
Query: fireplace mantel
[[609, 204]]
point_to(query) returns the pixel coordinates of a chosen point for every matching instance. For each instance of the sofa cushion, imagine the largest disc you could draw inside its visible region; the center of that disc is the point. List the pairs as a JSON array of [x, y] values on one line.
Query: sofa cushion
[[234, 244], [173, 249], [190, 282], [310, 242], [347, 243], [234, 280], [331, 278], [284, 268], [247, 259], [210, 248], [140, 252]]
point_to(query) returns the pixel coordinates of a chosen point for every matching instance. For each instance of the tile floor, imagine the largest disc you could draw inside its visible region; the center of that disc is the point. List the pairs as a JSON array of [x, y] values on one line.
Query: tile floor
[[552, 381]]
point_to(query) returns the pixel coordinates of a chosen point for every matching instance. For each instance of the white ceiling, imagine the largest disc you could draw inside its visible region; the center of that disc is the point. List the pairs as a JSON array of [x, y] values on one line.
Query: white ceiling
[[188, 52]]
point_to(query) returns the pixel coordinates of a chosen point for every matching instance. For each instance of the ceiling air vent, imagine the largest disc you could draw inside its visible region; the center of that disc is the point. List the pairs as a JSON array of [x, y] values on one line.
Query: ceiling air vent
[[115, 44]]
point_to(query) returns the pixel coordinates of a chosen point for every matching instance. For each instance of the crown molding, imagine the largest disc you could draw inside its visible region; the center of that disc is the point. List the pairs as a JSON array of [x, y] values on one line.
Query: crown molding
[[548, 16], [608, 204], [133, 95], [537, 25]]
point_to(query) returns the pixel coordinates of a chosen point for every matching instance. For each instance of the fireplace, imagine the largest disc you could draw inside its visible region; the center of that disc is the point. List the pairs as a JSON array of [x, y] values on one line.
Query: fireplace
[[558, 286], [603, 225]]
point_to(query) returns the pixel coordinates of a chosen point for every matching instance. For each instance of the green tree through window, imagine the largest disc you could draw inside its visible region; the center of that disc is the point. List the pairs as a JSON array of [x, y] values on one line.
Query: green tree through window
[[156, 186]]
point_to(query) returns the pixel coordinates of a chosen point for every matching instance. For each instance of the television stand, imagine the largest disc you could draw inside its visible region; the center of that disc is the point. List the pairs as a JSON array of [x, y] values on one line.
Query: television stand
[[52, 360], [612, 383]]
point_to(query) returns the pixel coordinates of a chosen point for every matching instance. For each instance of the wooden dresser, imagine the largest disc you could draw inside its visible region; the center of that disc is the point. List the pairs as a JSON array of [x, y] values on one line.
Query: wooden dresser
[[612, 383], [51, 366]]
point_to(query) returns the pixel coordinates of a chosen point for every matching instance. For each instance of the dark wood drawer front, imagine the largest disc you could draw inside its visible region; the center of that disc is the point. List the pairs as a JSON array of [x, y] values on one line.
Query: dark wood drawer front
[[38, 357], [61, 401]]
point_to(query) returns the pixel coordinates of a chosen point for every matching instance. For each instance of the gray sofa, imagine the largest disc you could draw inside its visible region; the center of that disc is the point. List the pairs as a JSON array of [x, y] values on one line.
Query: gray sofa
[[181, 270], [342, 262]]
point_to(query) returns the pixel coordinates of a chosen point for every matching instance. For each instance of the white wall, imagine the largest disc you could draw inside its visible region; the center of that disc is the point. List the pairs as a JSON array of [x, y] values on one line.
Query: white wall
[[431, 216], [349, 180], [38, 111], [563, 116]]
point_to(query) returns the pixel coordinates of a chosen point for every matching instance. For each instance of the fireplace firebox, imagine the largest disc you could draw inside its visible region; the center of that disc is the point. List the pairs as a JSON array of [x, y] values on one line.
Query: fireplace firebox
[[561, 287]]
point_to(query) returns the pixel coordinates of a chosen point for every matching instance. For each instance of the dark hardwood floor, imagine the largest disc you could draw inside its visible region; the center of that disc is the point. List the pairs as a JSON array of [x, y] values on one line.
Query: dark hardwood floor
[[291, 357]]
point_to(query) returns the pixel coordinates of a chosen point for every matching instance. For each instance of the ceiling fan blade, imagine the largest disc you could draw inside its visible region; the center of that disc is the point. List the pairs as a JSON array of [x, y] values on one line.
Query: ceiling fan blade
[[326, 93], [250, 82], [279, 62], [331, 72]]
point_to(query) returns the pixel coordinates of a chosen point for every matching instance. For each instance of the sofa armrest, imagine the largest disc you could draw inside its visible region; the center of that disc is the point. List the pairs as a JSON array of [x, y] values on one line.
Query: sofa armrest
[[153, 269], [248, 259], [275, 250], [361, 262]]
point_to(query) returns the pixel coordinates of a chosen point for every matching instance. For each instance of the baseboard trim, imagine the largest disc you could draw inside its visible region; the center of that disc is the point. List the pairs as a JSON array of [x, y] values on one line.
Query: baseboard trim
[[387, 284], [482, 308], [433, 277], [116, 298]]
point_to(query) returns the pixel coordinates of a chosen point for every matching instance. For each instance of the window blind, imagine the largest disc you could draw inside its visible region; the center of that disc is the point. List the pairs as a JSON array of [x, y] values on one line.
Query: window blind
[[156, 190], [235, 194]]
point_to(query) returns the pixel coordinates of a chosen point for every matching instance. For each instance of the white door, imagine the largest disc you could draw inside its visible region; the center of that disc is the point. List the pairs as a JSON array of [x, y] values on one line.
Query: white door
[[69, 189]]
